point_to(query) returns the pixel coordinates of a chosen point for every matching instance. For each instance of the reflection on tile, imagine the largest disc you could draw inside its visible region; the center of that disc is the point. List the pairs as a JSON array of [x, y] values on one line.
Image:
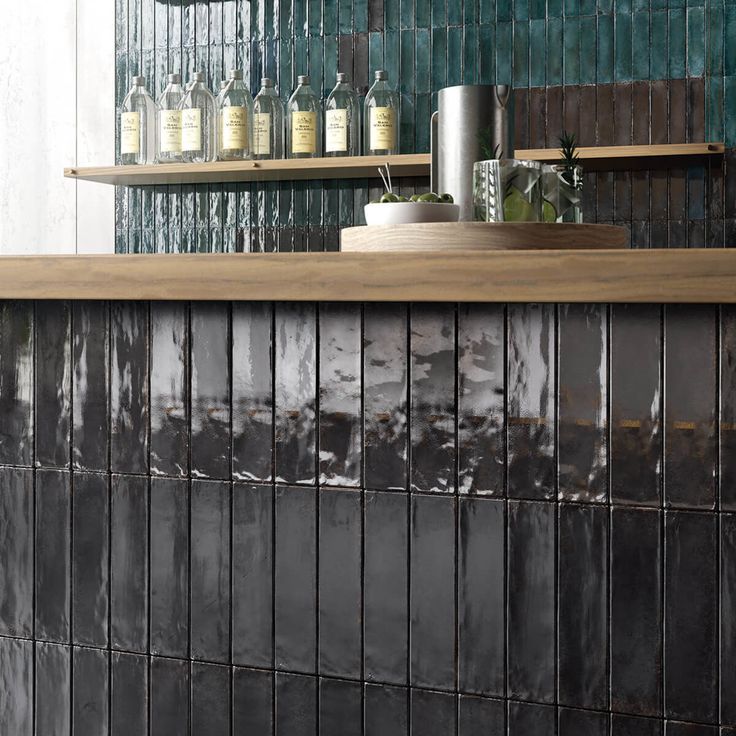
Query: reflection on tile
[[480, 716], [728, 618], [728, 408], [90, 692], [169, 696], [129, 701], [252, 702], [53, 689], [385, 711], [340, 708], [527, 718], [210, 699], [16, 687], [433, 713], [296, 705]]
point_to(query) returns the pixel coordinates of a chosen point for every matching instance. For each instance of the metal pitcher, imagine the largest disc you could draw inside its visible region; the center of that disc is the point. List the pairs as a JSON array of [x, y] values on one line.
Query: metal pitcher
[[466, 115]]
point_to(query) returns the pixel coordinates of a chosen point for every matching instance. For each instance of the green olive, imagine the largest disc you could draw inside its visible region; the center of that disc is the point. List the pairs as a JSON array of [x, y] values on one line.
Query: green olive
[[402, 198], [429, 197], [446, 198], [389, 197], [415, 197]]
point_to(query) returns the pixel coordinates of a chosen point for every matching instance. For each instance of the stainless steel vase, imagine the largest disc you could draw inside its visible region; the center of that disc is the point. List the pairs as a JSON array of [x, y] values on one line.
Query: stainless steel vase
[[468, 114]]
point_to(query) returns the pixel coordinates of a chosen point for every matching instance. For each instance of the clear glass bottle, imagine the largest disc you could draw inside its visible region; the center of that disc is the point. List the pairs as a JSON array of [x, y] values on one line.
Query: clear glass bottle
[[304, 125], [342, 120], [268, 122], [381, 118], [137, 144], [198, 122], [235, 115], [168, 147]]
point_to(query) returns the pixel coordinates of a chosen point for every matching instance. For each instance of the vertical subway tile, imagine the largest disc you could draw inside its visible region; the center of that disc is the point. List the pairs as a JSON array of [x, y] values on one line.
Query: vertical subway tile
[[129, 695], [210, 434], [16, 687], [432, 595], [210, 699], [210, 571], [169, 696], [480, 716], [295, 392], [169, 562], [690, 599], [633, 726], [385, 395], [252, 585], [481, 603], [90, 386], [129, 563], [433, 713], [296, 705], [53, 383], [385, 711], [52, 687], [90, 558], [728, 619], [339, 583], [573, 722], [252, 400], [674, 728], [728, 408], [385, 577], [531, 601], [480, 401], [252, 702], [529, 718], [90, 692], [295, 597], [340, 708]]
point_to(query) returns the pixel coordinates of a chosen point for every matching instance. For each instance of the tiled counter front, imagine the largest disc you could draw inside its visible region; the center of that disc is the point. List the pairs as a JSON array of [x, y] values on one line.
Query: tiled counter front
[[385, 520]]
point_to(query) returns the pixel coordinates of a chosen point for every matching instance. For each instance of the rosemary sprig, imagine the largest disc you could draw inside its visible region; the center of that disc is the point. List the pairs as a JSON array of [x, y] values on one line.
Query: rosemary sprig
[[485, 140], [570, 159]]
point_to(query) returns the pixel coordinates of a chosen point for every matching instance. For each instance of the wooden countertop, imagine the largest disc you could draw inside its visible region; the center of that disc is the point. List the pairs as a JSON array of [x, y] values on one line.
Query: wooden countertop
[[688, 276]]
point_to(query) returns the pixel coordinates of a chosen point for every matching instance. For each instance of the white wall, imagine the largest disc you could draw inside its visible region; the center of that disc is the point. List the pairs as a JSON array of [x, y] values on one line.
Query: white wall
[[57, 81]]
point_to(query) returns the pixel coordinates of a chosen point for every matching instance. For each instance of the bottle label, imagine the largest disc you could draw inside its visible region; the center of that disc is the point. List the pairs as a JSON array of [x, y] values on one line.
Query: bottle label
[[170, 131], [262, 134], [383, 129], [234, 128], [130, 132], [191, 129], [304, 132], [336, 131]]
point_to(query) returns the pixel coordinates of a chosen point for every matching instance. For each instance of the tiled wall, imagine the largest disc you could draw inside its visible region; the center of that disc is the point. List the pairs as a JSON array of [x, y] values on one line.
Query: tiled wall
[[377, 520]]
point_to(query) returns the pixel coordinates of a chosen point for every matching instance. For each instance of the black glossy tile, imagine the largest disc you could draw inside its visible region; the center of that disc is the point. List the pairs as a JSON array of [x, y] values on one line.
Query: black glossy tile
[[690, 406], [169, 388], [690, 644], [16, 551], [727, 453], [531, 601], [295, 564], [433, 713], [252, 400], [129, 695], [210, 430], [385, 395], [480, 716], [129, 563], [296, 705], [432, 426], [480, 400], [53, 555], [90, 381], [169, 696], [53, 383], [169, 607], [340, 708], [582, 606], [90, 692], [673, 728], [210, 699], [636, 398], [52, 688], [339, 594], [636, 611], [481, 589], [385, 591], [525, 719], [209, 611], [432, 592], [728, 619], [129, 387], [582, 412], [16, 379], [385, 710], [252, 702], [531, 397], [295, 392], [90, 558], [582, 723], [633, 726], [16, 687], [252, 585]]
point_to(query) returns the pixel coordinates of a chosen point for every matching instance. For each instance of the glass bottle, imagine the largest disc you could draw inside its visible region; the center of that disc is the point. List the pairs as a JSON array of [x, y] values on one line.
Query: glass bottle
[[168, 148], [381, 119], [198, 121], [303, 129], [137, 143], [235, 114], [342, 116], [268, 122]]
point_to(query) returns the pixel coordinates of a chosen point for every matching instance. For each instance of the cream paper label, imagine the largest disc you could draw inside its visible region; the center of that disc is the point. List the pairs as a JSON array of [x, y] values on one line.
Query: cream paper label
[[130, 132], [336, 131], [304, 132], [191, 129], [383, 129], [234, 127], [262, 133], [170, 131]]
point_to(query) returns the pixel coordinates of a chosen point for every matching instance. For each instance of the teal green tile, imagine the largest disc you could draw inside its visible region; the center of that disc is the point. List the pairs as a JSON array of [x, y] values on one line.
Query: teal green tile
[[714, 110], [285, 20], [623, 60], [471, 66], [605, 7], [537, 9], [504, 10], [621, 6], [455, 15], [345, 16], [285, 74], [640, 46], [572, 8], [360, 15], [571, 40], [521, 10], [271, 19], [554, 51], [413, 79], [717, 33], [696, 42], [640, 5], [504, 53], [299, 18], [588, 38], [605, 49], [554, 8], [588, 7], [486, 11], [658, 61], [454, 56], [439, 13], [729, 110], [315, 18], [537, 52], [423, 13], [330, 59], [471, 12], [487, 43], [423, 116], [677, 31], [375, 53], [315, 65], [391, 15], [301, 55], [521, 55], [438, 59], [391, 53], [407, 14]]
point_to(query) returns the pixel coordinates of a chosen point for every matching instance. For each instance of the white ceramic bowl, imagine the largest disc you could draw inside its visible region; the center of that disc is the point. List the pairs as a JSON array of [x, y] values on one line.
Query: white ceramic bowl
[[402, 213]]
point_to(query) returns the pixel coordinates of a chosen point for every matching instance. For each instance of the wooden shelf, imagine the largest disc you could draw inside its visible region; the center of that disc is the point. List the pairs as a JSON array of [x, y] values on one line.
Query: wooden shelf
[[362, 167], [655, 276]]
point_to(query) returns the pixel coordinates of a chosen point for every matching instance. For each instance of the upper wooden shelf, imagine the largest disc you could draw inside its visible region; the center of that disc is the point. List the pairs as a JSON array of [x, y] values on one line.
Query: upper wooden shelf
[[655, 276], [362, 167]]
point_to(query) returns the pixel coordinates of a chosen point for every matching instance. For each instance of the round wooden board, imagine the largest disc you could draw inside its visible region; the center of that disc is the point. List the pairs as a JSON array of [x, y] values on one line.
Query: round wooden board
[[444, 236]]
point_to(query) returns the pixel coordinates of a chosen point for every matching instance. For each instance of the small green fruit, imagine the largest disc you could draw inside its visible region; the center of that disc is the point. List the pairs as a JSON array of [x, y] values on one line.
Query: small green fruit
[[402, 198], [429, 197], [389, 197], [446, 198], [415, 197]]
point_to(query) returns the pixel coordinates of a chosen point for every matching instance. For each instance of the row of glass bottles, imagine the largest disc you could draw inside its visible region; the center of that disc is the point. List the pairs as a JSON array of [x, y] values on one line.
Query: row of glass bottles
[[192, 126]]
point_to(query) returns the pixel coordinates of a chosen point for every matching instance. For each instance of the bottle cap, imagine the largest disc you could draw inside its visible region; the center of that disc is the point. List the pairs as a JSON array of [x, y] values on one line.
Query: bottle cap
[[139, 81], [236, 74], [174, 78], [198, 77], [303, 79], [381, 75], [266, 82], [342, 78]]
